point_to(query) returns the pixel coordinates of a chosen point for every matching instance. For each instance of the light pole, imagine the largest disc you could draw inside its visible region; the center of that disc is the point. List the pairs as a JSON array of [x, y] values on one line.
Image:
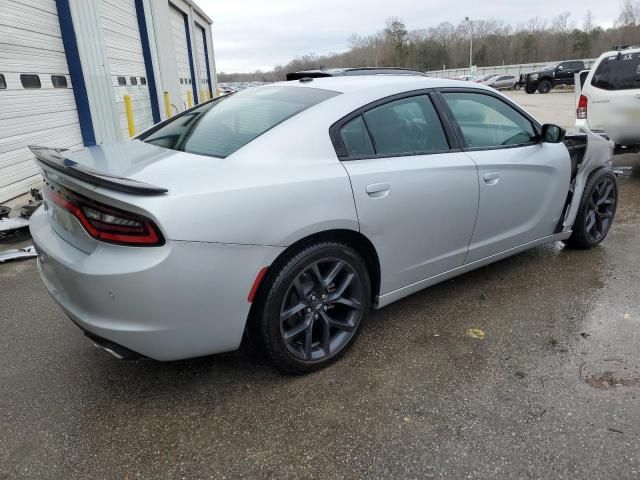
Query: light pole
[[470, 22]]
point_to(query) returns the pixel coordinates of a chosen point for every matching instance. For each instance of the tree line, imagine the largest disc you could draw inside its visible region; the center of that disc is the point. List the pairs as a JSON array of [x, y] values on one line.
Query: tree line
[[447, 46]]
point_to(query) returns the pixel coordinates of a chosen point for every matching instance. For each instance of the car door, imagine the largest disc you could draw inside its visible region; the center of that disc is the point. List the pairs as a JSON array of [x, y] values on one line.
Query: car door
[[501, 82], [415, 191], [523, 182], [565, 72]]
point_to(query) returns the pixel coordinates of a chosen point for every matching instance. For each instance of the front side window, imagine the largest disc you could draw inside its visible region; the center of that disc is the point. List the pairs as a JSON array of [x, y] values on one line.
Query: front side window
[[356, 138], [221, 127], [486, 121], [618, 72], [406, 126], [30, 81]]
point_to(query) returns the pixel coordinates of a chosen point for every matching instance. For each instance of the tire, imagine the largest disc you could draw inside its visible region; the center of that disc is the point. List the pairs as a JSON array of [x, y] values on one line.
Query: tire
[[530, 90], [312, 307], [544, 87], [516, 87], [596, 212]]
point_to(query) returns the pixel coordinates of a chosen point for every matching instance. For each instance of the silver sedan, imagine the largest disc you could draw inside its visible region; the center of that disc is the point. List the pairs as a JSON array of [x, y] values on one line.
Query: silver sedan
[[285, 213]]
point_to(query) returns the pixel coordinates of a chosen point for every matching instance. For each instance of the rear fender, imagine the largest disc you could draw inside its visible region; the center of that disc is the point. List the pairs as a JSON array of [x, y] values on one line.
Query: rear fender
[[599, 154]]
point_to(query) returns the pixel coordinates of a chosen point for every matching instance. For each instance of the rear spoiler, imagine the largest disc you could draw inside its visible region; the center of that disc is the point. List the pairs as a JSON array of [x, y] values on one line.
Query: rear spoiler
[[53, 158]]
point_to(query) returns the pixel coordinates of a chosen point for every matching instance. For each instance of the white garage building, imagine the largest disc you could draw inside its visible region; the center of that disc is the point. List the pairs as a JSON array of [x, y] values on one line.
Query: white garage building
[[66, 65]]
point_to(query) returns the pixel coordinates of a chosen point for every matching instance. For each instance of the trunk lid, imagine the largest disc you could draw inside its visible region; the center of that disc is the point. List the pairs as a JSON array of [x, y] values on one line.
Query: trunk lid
[[132, 167]]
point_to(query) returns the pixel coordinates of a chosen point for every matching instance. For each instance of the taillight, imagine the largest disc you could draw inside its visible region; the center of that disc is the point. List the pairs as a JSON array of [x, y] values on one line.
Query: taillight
[[583, 103], [104, 223]]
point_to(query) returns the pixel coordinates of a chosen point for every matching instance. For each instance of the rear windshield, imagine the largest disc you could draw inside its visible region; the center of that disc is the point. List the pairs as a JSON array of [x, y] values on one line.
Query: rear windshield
[[619, 72], [221, 127]]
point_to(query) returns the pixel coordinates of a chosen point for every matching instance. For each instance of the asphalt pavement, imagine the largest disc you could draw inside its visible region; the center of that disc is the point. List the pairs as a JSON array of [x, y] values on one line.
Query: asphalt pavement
[[527, 368]]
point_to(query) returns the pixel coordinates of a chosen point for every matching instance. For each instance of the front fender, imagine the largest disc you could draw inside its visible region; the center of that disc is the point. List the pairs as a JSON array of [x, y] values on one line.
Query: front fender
[[599, 154]]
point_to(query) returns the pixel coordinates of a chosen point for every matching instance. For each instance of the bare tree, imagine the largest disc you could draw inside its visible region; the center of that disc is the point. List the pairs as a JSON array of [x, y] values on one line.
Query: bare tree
[[588, 23], [629, 13]]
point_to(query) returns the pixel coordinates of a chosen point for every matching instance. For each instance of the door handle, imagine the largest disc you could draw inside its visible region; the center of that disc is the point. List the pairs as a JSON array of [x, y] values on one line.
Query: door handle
[[378, 190], [492, 178]]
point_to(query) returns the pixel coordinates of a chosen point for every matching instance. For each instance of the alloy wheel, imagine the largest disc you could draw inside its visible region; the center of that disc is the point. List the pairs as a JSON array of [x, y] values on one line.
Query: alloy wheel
[[321, 310], [602, 204]]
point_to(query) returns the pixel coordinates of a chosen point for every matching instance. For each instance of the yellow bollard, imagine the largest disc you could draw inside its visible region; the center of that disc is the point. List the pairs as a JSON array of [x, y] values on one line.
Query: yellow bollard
[[129, 110], [167, 104], [189, 99]]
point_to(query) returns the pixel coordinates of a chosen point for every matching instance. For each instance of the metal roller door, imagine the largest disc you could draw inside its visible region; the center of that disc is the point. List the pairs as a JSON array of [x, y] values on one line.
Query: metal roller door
[[38, 105], [181, 45], [125, 57], [203, 61]]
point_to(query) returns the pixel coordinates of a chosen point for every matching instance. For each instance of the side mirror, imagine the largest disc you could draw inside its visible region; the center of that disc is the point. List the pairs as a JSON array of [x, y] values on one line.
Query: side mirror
[[560, 68], [552, 133]]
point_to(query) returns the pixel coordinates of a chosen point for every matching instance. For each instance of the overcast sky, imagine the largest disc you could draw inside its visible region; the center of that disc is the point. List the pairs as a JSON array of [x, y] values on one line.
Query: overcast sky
[[258, 34]]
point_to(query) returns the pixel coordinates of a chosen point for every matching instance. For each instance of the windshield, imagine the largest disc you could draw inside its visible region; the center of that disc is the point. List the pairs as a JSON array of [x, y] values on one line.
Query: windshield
[[224, 126], [619, 72]]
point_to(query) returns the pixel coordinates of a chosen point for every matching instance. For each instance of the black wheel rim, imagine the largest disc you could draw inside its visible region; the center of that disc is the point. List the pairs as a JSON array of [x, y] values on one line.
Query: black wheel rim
[[321, 310], [602, 204]]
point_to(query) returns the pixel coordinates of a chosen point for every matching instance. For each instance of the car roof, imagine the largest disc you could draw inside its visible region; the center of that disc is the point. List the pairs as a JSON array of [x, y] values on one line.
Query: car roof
[[621, 51], [400, 83]]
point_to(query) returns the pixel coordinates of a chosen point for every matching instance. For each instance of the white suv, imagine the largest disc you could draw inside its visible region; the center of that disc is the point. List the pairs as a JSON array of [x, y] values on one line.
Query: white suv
[[609, 99]]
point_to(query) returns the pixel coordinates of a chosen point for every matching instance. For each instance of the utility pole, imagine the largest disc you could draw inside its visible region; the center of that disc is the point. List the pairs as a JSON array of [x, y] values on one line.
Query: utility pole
[[470, 22]]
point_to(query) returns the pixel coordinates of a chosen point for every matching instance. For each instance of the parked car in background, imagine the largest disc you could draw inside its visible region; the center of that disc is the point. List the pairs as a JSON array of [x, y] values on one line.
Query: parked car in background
[[287, 212], [609, 99], [504, 82], [551, 76], [348, 72], [485, 78], [466, 78]]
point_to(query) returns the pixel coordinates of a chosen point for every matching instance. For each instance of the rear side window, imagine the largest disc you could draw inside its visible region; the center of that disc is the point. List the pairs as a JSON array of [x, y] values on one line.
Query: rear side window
[[406, 126], [30, 81], [356, 138], [59, 81], [3, 82], [620, 72], [572, 65], [486, 121], [220, 128]]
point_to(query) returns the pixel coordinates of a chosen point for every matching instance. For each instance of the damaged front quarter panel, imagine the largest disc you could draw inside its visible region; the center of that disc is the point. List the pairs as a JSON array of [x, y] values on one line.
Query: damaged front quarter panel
[[599, 154]]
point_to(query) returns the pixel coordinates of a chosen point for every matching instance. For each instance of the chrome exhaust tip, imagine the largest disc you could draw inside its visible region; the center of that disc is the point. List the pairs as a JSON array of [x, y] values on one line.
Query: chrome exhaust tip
[[113, 349]]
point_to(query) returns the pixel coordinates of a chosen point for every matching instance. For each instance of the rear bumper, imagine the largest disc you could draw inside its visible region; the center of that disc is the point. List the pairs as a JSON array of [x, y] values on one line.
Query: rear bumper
[[181, 300]]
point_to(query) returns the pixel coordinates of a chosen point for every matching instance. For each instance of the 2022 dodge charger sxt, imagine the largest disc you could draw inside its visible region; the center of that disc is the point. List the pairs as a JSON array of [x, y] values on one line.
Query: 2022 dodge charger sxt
[[287, 212]]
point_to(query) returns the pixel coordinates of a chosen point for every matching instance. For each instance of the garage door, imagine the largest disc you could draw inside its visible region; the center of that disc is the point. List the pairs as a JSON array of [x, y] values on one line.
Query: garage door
[[181, 46], [203, 63], [38, 106], [123, 47]]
